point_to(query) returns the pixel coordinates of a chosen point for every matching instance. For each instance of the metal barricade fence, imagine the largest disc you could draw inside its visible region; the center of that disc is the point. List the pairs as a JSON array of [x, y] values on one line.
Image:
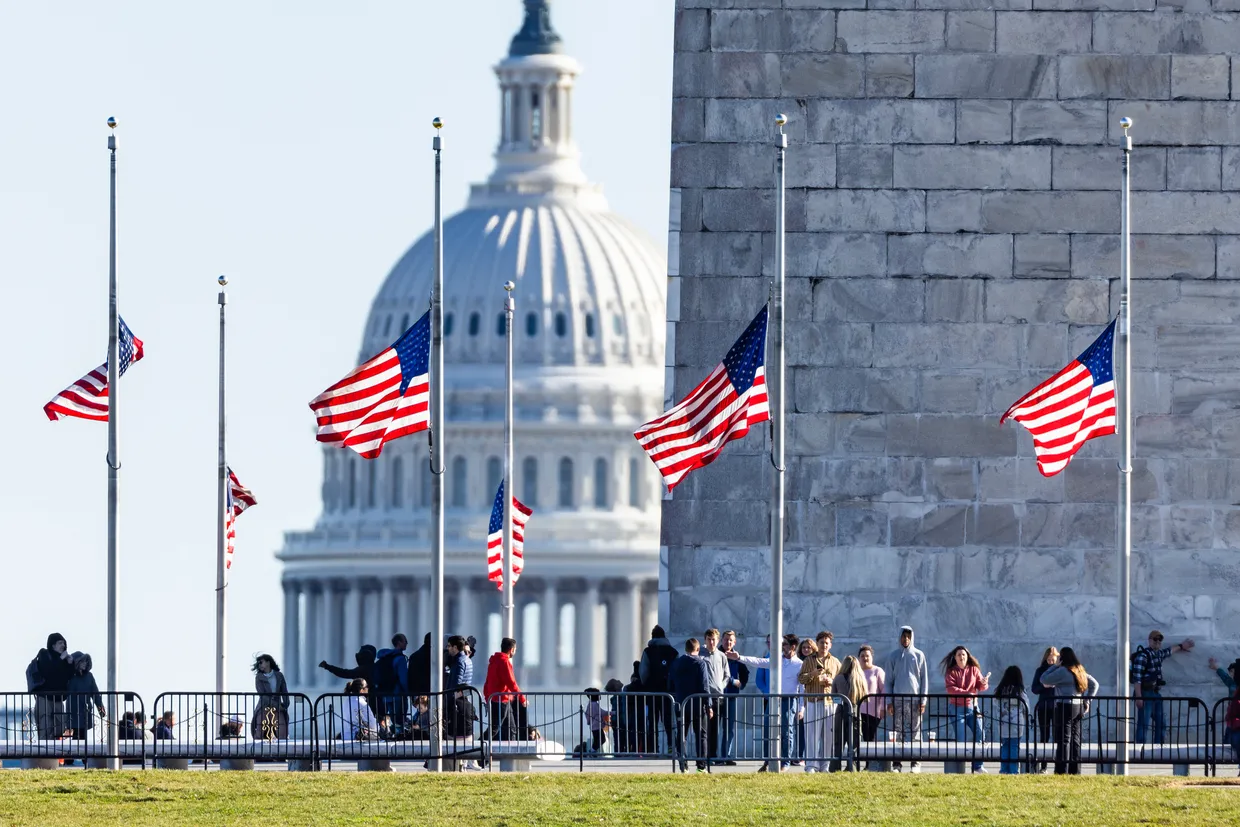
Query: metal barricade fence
[[816, 731], [894, 729], [401, 728], [558, 726], [1224, 745], [232, 727], [73, 726], [1174, 731]]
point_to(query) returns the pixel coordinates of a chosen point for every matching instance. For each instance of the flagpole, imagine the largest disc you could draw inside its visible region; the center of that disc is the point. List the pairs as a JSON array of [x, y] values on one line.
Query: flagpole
[[776, 400], [114, 463], [437, 469], [221, 502], [1124, 417], [509, 309]]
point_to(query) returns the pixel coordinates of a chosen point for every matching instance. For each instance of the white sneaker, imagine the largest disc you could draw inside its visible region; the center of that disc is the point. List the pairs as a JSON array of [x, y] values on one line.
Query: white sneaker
[[914, 768], [471, 766]]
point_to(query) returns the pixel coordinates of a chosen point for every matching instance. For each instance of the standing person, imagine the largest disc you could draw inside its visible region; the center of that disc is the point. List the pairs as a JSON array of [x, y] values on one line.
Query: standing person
[[420, 668], [738, 679], [1228, 676], [850, 683], [597, 721], [790, 706], [1145, 673], [815, 681], [164, 726], [719, 674], [633, 715], [872, 708], [505, 701], [365, 669], [1044, 712], [964, 679], [1232, 717], [1073, 688], [653, 670], [908, 676], [461, 714], [48, 674], [270, 721], [1013, 719], [391, 685], [835, 742], [687, 680], [82, 690]]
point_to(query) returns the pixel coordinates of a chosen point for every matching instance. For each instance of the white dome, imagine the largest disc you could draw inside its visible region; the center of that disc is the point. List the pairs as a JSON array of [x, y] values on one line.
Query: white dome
[[589, 286]]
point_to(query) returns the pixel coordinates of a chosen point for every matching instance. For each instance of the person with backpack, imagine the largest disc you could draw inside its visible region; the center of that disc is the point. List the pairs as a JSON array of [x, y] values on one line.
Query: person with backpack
[[1013, 706], [1145, 674], [653, 670], [82, 691], [392, 680], [365, 670], [48, 675]]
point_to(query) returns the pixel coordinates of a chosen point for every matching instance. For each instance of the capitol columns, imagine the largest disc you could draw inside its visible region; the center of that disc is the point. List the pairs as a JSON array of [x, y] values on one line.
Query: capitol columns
[[549, 620], [291, 657], [352, 618]]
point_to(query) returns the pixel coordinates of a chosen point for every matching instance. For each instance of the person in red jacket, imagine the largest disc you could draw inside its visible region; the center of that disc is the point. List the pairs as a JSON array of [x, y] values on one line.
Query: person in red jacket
[[507, 704], [1233, 716], [964, 679]]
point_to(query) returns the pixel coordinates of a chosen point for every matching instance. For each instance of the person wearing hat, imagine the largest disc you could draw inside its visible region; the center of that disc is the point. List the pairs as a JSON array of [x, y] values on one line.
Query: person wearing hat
[[1145, 672]]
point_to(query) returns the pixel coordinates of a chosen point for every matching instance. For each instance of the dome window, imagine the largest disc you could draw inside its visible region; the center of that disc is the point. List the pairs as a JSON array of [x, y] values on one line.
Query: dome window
[[590, 325], [447, 324], [404, 323], [529, 481], [561, 325], [475, 323], [617, 324], [499, 325], [566, 483], [531, 324], [387, 326]]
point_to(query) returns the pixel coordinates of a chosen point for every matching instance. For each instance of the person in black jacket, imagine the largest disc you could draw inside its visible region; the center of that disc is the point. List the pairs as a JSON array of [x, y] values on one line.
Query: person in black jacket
[[689, 683], [1044, 710], [420, 668], [83, 690], [53, 668], [652, 672], [365, 670]]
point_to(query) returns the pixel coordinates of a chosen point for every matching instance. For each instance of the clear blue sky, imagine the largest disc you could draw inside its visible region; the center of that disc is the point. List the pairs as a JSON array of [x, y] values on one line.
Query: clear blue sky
[[287, 145]]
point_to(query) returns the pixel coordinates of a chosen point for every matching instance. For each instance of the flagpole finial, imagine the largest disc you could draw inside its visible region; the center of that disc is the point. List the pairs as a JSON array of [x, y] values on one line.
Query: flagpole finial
[[111, 123], [509, 286], [1125, 124], [223, 280], [437, 123], [780, 120]]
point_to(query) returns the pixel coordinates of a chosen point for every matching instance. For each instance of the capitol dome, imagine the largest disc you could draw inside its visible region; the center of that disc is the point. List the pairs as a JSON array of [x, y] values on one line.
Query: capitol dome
[[588, 345]]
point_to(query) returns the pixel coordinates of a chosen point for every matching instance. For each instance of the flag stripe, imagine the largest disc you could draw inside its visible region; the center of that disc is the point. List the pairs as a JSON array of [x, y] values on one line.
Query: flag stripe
[[495, 539], [87, 398]]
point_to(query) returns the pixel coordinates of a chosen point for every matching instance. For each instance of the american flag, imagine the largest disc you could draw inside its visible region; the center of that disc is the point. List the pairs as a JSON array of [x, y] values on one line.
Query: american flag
[[237, 498], [495, 539], [87, 398], [1074, 405], [719, 410], [383, 399]]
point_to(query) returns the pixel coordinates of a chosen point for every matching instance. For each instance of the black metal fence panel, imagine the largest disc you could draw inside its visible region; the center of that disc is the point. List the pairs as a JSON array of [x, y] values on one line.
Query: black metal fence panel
[[73, 726], [450, 725], [201, 726], [814, 731]]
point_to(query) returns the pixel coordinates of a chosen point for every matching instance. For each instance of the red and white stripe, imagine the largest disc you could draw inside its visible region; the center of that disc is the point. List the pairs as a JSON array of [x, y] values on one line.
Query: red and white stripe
[[693, 433], [1063, 413], [495, 546], [366, 409], [239, 499], [87, 398]]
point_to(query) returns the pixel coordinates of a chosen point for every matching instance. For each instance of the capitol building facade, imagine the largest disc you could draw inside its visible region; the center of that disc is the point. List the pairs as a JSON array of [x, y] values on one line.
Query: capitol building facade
[[589, 340]]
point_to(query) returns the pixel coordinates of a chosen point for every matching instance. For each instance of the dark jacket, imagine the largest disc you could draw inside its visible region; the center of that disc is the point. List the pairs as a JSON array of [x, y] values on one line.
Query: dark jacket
[[656, 662], [163, 732], [365, 669], [460, 671], [82, 691], [687, 676], [420, 669], [54, 670], [391, 672], [1046, 695], [736, 671], [266, 697]]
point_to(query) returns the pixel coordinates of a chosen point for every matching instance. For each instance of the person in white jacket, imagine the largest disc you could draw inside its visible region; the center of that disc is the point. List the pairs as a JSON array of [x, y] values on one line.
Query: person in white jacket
[[791, 708], [357, 722]]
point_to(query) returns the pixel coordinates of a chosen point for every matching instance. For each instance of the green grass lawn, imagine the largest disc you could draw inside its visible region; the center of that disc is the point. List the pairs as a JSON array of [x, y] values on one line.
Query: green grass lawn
[[276, 798]]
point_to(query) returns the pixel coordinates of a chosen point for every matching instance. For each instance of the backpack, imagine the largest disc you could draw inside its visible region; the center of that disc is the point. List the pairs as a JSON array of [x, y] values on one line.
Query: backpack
[[34, 679], [659, 659], [1148, 685], [385, 672]]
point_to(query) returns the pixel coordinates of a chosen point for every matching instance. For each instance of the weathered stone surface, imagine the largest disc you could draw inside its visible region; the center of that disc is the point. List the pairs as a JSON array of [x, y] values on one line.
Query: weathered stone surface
[[749, 121], [1115, 76], [1098, 168], [1228, 257], [1154, 256], [1051, 212], [983, 122], [953, 254], [981, 167], [882, 121], [953, 212], [869, 300], [771, 31], [954, 300], [1200, 76], [1043, 33], [728, 74], [864, 166], [1042, 256], [898, 32], [1051, 122], [889, 76], [823, 75], [738, 209], [722, 165], [1196, 168], [688, 120], [985, 76], [1179, 123], [868, 210], [692, 31], [1188, 213], [811, 344], [833, 255], [970, 31], [1166, 33]]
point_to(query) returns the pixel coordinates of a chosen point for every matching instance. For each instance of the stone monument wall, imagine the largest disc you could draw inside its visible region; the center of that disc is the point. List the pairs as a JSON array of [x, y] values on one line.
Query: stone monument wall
[[953, 220]]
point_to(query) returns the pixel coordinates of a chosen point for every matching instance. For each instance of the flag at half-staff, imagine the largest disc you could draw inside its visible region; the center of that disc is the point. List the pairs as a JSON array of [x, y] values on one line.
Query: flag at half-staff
[[1072, 407], [722, 408], [87, 398], [495, 539], [238, 499], [382, 399]]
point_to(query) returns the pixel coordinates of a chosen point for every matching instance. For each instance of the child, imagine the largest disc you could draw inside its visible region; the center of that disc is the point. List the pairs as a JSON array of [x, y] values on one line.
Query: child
[[420, 720], [1013, 719], [597, 719]]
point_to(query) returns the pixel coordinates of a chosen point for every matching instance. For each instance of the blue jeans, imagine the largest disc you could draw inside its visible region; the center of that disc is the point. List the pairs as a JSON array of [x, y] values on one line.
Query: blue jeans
[[1009, 755], [1233, 738], [729, 728], [965, 717], [1152, 706], [788, 730]]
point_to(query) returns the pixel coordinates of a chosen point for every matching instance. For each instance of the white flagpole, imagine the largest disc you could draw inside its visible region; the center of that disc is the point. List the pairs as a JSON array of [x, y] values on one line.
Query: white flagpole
[[509, 309], [775, 391], [221, 540], [1124, 417], [114, 462], [437, 469]]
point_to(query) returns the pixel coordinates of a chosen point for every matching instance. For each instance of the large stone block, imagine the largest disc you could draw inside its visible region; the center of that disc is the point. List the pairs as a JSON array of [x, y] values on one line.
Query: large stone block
[[723, 254], [816, 390], [882, 121], [861, 524], [983, 122], [823, 75], [1042, 256], [954, 212], [771, 31], [1017, 480], [869, 300], [739, 120], [1059, 122], [812, 344], [972, 167], [948, 436], [1186, 33], [985, 76], [738, 209], [1097, 168], [721, 299], [1188, 213], [811, 434], [812, 165], [898, 32], [722, 165], [1043, 33], [1194, 168], [887, 479], [688, 120], [1115, 76], [945, 345], [692, 30], [944, 392], [970, 31], [1205, 393], [929, 524], [864, 166], [956, 254], [866, 210], [1228, 257], [888, 76], [1178, 123], [1200, 76], [725, 74], [833, 255], [1153, 256], [969, 617], [950, 478], [954, 300], [1051, 212], [1068, 525], [1023, 301], [1094, 5]]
